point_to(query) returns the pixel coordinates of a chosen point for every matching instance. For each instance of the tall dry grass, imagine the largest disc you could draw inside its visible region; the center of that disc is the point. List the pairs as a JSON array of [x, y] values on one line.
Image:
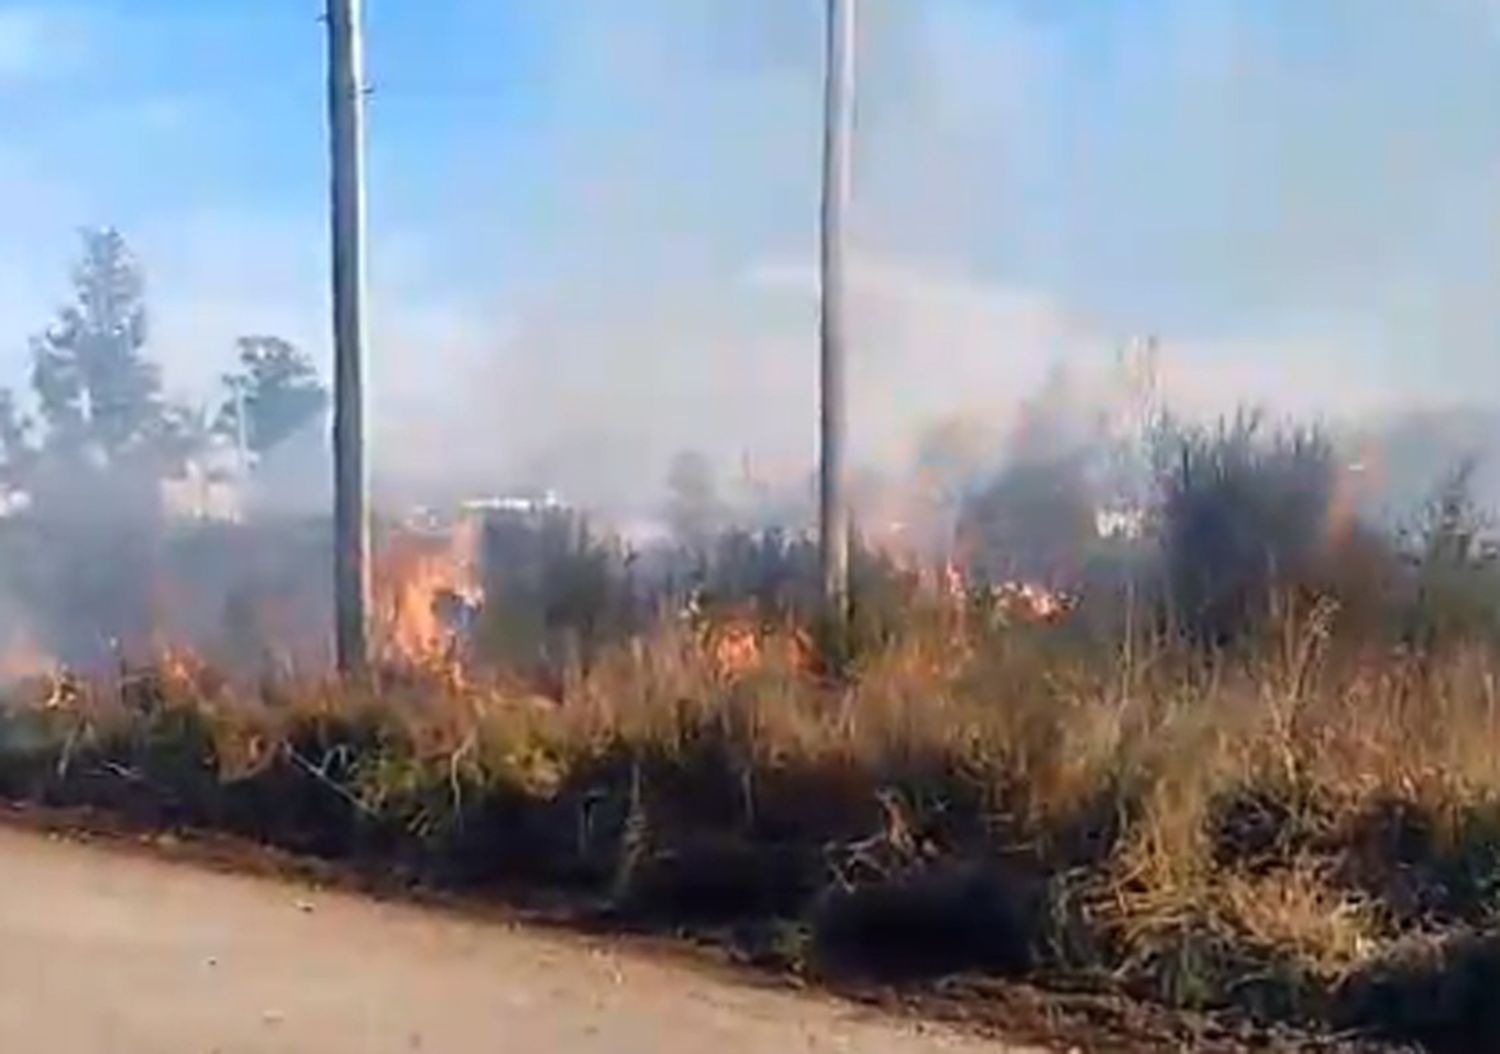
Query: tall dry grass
[[1266, 827]]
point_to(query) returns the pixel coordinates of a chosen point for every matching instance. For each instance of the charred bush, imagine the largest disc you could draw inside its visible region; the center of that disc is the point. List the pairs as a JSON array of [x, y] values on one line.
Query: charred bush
[[1243, 513], [937, 920]]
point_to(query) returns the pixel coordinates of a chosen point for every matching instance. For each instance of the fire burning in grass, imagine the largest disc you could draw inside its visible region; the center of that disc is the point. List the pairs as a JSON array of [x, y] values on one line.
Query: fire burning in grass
[[740, 646], [428, 592], [1180, 834]]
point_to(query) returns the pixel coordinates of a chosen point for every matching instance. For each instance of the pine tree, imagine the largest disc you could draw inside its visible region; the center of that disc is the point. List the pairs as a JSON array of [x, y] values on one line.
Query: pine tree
[[98, 395]]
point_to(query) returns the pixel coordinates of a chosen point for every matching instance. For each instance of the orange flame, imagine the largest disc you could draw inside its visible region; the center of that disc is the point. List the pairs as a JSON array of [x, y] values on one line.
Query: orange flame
[[738, 645], [425, 583], [1009, 603], [1031, 604]]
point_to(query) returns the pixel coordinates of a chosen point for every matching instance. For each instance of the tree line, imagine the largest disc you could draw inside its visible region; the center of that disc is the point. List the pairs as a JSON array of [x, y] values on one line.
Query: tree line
[[98, 408]]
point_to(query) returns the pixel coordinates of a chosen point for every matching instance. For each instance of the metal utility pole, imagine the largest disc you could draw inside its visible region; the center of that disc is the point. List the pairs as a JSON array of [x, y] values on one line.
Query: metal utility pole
[[351, 515], [838, 128]]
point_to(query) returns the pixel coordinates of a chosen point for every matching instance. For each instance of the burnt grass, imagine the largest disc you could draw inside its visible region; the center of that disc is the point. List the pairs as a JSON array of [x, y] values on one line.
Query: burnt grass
[[902, 890]]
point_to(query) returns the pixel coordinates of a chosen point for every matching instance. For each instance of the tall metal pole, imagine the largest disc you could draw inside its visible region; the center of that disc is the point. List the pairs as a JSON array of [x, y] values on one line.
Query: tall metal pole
[[838, 126], [351, 518]]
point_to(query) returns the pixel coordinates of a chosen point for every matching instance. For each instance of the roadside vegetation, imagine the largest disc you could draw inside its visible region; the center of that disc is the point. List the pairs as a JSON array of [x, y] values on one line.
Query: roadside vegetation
[[1277, 793], [1241, 754]]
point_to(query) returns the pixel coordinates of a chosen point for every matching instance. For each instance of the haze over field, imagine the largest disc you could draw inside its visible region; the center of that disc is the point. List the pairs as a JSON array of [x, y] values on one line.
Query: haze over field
[[593, 223]]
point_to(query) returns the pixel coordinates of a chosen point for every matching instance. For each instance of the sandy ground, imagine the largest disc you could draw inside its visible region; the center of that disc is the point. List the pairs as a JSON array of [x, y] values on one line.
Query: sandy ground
[[103, 952]]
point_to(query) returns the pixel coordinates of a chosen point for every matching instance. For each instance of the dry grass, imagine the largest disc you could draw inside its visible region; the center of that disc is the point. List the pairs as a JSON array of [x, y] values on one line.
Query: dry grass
[[1277, 820]]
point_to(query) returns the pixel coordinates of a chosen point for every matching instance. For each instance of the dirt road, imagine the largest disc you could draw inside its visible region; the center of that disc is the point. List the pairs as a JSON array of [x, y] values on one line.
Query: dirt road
[[103, 952]]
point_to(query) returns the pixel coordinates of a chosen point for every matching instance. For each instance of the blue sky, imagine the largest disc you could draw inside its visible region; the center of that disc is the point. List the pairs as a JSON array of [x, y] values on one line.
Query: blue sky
[[593, 220]]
